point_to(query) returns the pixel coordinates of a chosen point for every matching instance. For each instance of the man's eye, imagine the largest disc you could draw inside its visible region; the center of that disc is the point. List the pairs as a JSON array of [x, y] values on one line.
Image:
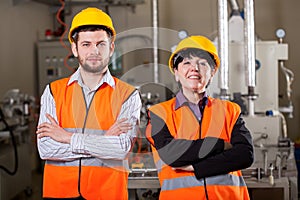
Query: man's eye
[[85, 44], [187, 63], [102, 44]]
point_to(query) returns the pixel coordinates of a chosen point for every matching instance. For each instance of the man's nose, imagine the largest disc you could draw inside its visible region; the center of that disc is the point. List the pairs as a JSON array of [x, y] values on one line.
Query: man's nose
[[95, 49]]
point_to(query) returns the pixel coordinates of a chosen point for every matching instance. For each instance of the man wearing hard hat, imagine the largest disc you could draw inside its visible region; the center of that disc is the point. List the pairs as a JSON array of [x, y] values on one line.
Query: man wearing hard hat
[[88, 121], [199, 143]]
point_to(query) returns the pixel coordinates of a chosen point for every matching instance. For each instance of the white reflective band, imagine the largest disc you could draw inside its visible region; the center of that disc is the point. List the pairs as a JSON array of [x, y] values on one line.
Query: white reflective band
[[86, 131], [191, 181], [91, 162]]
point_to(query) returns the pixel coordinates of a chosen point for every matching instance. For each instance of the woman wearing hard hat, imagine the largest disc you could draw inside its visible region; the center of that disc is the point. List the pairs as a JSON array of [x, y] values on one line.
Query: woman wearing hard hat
[[199, 143], [88, 121]]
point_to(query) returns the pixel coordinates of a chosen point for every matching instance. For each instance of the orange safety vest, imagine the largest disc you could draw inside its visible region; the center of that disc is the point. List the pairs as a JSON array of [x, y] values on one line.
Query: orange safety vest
[[99, 179], [218, 120]]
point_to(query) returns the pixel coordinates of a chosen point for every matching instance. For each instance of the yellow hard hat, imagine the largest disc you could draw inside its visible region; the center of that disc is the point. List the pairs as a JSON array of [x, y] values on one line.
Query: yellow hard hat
[[91, 16], [197, 42]]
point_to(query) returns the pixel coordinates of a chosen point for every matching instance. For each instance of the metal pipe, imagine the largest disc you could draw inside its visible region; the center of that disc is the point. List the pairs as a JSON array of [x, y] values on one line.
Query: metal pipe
[[251, 108], [250, 42], [155, 38], [234, 7], [249, 33], [223, 47], [289, 77]]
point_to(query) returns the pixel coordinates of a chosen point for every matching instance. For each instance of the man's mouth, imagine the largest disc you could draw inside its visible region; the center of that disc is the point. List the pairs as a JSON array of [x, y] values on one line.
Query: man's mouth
[[94, 59]]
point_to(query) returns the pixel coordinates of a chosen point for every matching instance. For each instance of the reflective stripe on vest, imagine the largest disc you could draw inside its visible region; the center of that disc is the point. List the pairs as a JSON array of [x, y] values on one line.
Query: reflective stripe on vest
[[95, 162], [159, 165], [86, 131], [91, 161], [191, 181]]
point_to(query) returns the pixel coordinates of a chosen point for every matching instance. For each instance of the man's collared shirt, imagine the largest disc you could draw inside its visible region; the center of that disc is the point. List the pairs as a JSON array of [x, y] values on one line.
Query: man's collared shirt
[[99, 146]]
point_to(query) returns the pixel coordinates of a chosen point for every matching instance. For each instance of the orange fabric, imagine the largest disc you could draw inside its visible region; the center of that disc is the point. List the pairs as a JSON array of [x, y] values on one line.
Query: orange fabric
[[96, 182], [71, 108], [215, 193], [52, 185], [218, 120]]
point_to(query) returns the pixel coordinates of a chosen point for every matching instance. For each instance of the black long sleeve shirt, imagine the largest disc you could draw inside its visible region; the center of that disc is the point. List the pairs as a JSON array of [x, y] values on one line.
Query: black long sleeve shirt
[[209, 161]]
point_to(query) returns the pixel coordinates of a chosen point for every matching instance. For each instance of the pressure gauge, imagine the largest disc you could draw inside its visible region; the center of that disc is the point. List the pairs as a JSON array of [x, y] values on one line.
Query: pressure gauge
[[280, 33], [182, 34]]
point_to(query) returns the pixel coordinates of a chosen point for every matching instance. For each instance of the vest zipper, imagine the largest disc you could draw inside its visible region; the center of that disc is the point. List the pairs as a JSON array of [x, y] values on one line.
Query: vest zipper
[[83, 129], [206, 193], [200, 131]]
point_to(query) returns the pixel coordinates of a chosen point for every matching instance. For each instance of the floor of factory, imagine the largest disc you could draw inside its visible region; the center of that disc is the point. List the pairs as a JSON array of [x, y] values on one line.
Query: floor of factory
[[35, 192]]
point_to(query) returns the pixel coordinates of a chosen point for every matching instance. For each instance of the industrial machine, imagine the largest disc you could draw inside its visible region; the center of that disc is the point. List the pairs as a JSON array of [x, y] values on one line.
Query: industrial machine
[[15, 144], [249, 76]]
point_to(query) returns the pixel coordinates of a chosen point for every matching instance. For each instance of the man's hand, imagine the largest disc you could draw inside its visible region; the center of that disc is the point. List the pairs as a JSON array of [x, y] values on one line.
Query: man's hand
[[119, 127], [54, 131]]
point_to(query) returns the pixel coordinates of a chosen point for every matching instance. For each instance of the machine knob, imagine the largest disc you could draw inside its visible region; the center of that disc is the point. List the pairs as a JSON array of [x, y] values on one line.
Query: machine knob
[[280, 33]]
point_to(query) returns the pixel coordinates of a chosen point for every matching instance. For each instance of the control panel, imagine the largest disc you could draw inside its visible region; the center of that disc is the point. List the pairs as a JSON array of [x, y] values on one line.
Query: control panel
[[54, 62]]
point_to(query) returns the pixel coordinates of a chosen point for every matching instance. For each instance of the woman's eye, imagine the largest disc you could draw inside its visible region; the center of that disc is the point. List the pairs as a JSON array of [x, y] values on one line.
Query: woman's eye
[[203, 63]]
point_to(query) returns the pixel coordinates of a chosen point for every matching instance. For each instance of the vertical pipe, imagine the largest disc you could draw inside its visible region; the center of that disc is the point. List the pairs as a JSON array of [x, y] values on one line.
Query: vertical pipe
[[250, 53], [223, 47], [251, 107], [234, 5], [250, 42], [155, 38]]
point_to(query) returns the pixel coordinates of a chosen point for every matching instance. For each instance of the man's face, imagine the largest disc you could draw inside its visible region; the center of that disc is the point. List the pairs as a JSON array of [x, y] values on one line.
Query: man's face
[[93, 50]]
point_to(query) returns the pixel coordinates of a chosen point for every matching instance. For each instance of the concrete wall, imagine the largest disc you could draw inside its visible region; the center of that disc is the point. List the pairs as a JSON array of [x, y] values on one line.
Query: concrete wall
[[21, 25]]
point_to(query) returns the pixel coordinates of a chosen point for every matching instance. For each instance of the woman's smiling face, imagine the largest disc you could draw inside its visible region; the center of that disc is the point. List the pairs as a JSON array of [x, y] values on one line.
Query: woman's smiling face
[[194, 74]]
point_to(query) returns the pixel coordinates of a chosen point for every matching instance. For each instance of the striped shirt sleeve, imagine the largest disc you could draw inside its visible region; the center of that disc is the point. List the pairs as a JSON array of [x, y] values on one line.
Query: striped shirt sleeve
[[86, 145], [111, 147], [47, 147]]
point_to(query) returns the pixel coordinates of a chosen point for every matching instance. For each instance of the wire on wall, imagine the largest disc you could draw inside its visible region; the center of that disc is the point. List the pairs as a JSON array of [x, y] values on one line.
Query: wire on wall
[[61, 39]]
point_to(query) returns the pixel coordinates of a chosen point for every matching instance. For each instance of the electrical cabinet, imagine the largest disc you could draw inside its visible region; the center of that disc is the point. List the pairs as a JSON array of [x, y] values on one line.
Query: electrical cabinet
[[54, 62]]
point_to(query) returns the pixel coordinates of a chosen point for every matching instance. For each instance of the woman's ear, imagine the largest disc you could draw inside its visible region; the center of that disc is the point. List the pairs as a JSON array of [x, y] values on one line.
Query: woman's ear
[[176, 75], [213, 72]]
